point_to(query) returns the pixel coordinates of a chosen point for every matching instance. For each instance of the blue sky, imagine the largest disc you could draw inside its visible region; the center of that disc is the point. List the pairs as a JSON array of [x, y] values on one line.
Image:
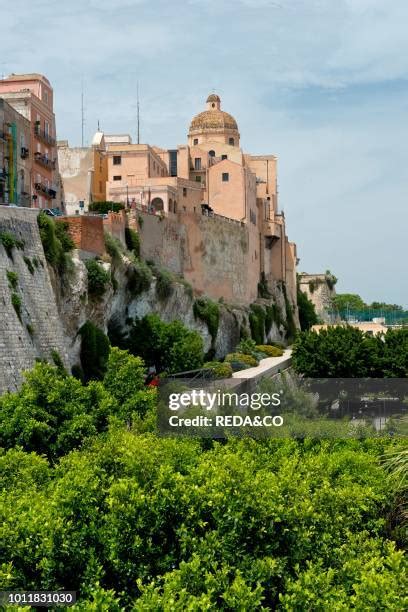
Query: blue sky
[[323, 84]]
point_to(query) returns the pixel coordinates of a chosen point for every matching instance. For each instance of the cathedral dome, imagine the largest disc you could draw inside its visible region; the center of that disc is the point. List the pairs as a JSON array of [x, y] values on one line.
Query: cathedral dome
[[213, 119]]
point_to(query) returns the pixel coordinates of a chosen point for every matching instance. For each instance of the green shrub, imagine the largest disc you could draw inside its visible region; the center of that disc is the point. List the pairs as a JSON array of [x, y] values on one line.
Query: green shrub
[[139, 277], [187, 287], [98, 278], [132, 241], [30, 329], [242, 358], [56, 358], [12, 278], [55, 240], [103, 208], [9, 241], [263, 290], [113, 246], [208, 311], [170, 347], [29, 264], [307, 312], [164, 284], [257, 323], [247, 347], [63, 235], [269, 350], [220, 370], [17, 304], [94, 351]]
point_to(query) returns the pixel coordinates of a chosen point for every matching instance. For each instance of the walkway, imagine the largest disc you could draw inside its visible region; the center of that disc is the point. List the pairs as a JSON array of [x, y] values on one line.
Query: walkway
[[267, 367]]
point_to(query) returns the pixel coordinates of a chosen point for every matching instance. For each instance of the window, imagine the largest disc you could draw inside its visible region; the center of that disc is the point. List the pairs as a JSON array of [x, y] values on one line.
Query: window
[[225, 177], [197, 163], [185, 191], [211, 153], [198, 179], [195, 141], [170, 205], [173, 162], [224, 156], [117, 178], [175, 206], [231, 141], [117, 160]]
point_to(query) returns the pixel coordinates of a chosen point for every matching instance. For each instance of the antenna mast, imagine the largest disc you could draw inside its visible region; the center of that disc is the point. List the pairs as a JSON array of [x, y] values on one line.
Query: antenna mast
[[138, 113], [82, 113]]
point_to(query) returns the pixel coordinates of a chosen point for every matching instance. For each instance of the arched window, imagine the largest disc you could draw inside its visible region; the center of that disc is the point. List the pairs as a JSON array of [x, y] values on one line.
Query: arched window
[[157, 205], [170, 205], [175, 206], [231, 141], [211, 153]]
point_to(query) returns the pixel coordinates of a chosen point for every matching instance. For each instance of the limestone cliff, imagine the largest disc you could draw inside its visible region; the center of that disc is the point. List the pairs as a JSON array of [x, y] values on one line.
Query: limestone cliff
[[43, 311]]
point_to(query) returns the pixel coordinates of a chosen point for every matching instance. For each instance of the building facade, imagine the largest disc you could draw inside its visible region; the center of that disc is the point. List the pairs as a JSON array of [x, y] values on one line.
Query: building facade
[[15, 157], [83, 174], [31, 95], [211, 175]]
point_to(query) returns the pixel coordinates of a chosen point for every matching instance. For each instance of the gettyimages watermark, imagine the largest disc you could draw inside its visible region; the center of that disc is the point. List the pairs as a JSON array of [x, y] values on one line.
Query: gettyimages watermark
[[285, 406]]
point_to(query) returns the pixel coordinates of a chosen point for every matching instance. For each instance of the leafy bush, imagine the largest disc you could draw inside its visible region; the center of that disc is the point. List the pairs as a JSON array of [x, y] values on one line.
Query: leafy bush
[[17, 304], [94, 351], [219, 370], [164, 284], [12, 278], [139, 277], [247, 346], [263, 289], [9, 241], [132, 241], [257, 323], [209, 312], [55, 240], [269, 350], [103, 208], [113, 246], [63, 235], [343, 351], [29, 264], [242, 358], [170, 347], [307, 312], [98, 278]]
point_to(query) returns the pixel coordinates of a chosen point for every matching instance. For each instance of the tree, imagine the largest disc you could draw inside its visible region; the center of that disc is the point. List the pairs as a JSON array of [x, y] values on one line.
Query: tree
[[352, 301], [307, 312]]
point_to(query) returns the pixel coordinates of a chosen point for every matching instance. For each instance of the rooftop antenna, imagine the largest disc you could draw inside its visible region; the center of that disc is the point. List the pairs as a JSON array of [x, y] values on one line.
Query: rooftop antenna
[[82, 113], [138, 112], [98, 126]]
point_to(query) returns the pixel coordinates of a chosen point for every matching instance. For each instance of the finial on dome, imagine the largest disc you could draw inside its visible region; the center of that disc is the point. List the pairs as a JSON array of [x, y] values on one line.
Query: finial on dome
[[213, 102]]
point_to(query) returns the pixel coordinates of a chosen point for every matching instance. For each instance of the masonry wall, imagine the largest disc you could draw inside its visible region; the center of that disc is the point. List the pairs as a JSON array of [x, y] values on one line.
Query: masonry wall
[[211, 252], [18, 347], [86, 232], [115, 224], [318, 291]]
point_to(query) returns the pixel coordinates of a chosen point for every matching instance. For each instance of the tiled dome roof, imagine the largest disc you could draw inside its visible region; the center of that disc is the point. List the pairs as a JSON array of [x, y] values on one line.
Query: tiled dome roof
[[213, 120]]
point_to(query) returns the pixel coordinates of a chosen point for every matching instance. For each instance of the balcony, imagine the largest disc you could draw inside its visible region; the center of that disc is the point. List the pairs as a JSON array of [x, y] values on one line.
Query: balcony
[[47, 192], [44, 161], [271, 229], [44, 136], [3, 174], [24, 153]]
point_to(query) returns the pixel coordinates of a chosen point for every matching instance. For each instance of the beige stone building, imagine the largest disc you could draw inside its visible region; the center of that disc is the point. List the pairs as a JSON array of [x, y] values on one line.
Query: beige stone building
[[211, 176], [32, 96], [16, 159]]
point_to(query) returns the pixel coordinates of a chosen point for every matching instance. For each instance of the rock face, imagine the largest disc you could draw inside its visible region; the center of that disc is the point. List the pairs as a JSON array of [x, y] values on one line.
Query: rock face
[[53, 308]]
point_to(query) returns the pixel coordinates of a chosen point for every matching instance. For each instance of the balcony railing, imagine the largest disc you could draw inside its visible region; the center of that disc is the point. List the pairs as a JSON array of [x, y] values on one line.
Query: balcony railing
[[24, 153], [44, 136], [44, 161], [47, 192], [3, 174]]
